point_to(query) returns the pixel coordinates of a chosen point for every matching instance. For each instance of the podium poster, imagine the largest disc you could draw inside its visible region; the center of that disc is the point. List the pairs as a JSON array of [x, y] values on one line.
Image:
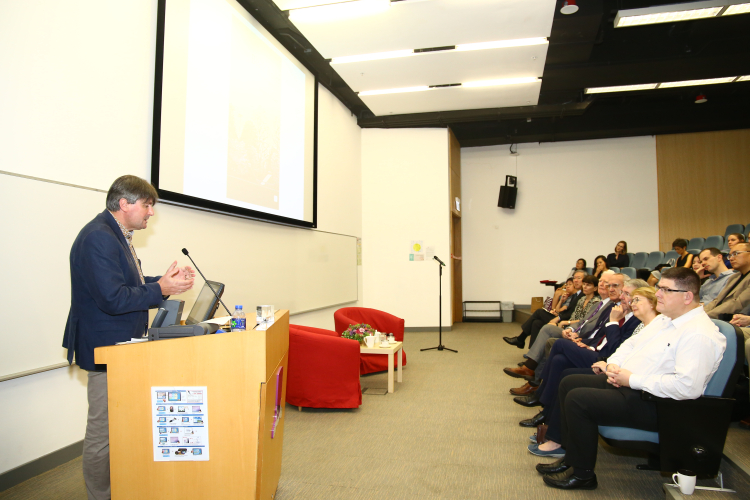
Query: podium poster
[[180, 423]]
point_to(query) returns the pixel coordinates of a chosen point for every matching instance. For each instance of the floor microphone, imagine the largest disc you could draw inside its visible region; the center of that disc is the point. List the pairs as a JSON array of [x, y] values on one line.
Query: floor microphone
[[184, 250], [434, 257]]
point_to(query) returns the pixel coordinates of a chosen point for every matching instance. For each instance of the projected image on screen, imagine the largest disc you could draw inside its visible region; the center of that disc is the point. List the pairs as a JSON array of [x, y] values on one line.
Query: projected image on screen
[[254, 120], [237, 114]]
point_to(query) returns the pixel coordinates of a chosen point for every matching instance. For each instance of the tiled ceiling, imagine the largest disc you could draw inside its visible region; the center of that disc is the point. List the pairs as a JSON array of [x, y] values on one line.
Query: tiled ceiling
[[419, 24]]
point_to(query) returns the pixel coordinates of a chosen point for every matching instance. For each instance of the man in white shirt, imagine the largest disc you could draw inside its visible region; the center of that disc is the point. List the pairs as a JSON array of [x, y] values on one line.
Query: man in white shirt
[[713, 264], [673, 357]]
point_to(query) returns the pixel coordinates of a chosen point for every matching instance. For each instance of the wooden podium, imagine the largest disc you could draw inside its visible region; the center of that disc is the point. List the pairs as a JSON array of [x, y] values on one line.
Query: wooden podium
[[239, 371]]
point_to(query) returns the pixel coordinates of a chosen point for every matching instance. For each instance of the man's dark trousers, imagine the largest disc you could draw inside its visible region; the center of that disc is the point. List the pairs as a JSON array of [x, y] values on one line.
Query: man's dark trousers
[[588, 401], [535, 323], [541, 317]]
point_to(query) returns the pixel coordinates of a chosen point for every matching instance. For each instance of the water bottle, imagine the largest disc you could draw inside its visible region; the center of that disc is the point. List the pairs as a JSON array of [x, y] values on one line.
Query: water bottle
[[238, 319]]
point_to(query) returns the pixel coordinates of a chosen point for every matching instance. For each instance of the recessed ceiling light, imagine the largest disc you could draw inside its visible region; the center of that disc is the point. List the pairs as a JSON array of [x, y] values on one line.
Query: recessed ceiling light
[[504, 81], [666, 17], [498, 44], [484, 83], [689, 83], [569, 7], [339, 11], [373, 57], [621, 88], [519, 42], [395, 91]]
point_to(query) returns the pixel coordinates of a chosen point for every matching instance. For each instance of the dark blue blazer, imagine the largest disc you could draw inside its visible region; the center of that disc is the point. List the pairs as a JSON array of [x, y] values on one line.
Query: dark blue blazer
[[108, 302], [616, 335]]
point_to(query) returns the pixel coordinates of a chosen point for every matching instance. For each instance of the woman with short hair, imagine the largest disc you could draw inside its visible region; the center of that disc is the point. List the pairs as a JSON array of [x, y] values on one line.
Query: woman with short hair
[[686, 258]]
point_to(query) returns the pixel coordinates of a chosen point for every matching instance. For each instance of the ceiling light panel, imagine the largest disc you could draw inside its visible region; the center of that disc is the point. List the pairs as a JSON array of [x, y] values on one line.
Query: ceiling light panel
[[666, 17], [670, 13], [301, 4], [745, 78], [454, 98], [339, 12], [433, 23], [743, 8], [621, 88], [434, 68], [690, 83]]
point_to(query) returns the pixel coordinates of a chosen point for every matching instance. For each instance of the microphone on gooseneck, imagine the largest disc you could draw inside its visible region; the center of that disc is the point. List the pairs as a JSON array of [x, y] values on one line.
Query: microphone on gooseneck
[[441, 262], [184, 250]]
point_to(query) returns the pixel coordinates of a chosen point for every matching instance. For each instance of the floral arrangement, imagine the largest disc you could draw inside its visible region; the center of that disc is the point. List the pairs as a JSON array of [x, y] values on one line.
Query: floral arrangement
[[358, 332]]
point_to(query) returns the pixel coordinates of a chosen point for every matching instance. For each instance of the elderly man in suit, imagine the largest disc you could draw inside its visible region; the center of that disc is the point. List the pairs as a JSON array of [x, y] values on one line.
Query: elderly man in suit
[[110, 298], [735, 295], [541, 316], [610, 287]]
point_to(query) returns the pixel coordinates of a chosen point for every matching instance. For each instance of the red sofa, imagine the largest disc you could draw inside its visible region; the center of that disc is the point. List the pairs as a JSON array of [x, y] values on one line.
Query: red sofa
[[382, 322], [323, 369]]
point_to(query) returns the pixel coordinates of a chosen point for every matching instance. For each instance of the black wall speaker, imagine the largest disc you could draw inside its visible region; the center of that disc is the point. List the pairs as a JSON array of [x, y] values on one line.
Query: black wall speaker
[[508, 193]]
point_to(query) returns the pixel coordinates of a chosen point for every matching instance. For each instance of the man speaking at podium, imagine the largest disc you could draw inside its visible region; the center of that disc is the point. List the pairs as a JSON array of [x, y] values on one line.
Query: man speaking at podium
[[110, 299]]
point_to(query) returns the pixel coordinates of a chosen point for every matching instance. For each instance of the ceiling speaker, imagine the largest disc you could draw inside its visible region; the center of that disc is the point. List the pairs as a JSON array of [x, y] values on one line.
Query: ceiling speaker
[[508, 193]]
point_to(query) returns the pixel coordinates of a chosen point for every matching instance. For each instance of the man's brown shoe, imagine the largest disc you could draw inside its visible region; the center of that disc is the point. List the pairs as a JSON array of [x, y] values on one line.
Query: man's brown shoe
[[744, 423], [520, 372], [524, 390]]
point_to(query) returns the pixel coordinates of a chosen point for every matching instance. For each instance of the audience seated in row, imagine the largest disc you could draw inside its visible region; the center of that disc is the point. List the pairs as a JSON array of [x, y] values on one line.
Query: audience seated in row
[[593, 371], [639, 312], [610, 286], [673, 356], [541, 317]]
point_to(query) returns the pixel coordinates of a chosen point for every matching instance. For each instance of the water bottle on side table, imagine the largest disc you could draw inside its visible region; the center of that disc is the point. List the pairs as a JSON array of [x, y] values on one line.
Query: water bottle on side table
[[238, 319]]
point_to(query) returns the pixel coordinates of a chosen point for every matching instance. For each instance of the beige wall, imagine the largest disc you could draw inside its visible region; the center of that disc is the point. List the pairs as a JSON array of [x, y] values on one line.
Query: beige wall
[[575, 199], [404, 192], [704, 179]]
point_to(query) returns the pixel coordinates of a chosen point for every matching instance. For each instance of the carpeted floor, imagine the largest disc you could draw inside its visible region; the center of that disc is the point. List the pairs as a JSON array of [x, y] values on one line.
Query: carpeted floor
[[449, 431]]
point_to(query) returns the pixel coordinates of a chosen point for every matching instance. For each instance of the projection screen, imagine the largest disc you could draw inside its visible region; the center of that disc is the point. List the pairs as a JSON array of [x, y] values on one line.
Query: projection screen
[[235, 116]]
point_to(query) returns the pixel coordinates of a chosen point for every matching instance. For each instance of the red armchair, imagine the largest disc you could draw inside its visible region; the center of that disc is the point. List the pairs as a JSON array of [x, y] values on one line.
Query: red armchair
[[382, 322], [323, 369]]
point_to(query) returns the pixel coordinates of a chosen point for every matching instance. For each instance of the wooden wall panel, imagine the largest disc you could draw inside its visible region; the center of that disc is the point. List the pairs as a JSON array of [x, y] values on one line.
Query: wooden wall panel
[[704, 183], [454, 165]]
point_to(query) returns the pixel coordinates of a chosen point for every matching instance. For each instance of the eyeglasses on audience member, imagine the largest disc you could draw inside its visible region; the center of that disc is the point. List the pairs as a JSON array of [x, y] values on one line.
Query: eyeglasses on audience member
[[667, 290]]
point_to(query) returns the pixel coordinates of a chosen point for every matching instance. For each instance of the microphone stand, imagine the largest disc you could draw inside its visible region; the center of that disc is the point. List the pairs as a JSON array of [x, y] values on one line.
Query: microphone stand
[[440, 346], [184, 250]]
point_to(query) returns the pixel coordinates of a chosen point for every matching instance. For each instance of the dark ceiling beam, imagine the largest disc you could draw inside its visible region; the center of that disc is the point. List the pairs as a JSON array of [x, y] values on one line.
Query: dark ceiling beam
[[278, 24], [444, 118]]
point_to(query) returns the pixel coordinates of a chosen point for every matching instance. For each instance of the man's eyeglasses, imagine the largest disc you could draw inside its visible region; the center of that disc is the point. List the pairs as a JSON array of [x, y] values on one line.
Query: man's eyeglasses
[[735, 254], [665, 289], [613, 285]]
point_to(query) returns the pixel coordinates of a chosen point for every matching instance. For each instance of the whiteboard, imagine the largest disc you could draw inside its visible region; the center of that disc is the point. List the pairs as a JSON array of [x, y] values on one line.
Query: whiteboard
[[260, 263]]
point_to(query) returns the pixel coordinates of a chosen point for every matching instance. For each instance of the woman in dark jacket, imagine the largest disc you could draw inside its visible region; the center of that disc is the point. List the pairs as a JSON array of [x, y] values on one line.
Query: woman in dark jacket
[[620, 257]]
